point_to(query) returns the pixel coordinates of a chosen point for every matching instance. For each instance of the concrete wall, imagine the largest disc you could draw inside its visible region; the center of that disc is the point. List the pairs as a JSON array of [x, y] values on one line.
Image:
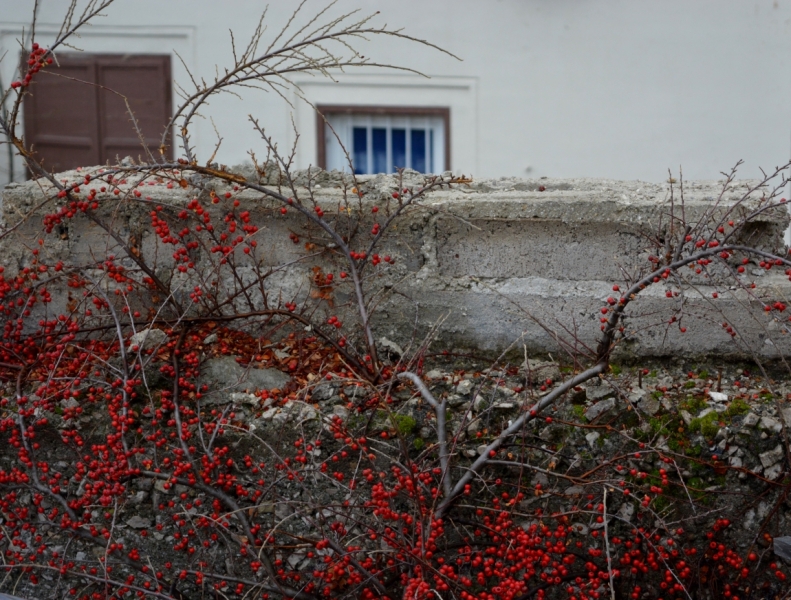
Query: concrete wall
[[494, 263], [611, 88]]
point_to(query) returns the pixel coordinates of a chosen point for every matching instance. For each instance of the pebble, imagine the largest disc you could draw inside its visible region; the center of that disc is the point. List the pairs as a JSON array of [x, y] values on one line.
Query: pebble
[[770, 424], [718, 396], [505, 406], [650, 406], [771, 457], [598, 409], [599, 392], [138, 522], [455, 401], [465, 387]]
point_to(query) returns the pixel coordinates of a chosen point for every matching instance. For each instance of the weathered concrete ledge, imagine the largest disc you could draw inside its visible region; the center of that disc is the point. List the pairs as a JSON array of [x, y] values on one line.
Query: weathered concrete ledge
[[496, 262]]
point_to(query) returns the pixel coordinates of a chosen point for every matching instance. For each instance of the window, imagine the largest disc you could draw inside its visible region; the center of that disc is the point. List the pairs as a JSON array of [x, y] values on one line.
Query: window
[[382, 139], [71, 124]]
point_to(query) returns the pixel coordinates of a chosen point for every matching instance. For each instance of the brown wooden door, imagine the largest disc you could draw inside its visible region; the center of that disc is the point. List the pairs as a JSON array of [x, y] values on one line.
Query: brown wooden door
[[76, 114], [61, 121]]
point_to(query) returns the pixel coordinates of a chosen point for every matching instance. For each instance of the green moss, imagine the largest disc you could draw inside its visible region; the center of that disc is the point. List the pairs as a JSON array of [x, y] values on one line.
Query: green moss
[[696, 467], [693, 404], [703, 374], [694, 451], [656, 394], [616, 370], [697, 485], [652, 373], [578, 410], [418, 443], [404, 424], [737, 407], [708, 425], [631, 419], [689, 384], [660, 425], [661, 503], [356, 419]]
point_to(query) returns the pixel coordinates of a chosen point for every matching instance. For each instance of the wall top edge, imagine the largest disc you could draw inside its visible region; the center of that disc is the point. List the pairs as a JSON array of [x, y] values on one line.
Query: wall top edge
[[515, 198]]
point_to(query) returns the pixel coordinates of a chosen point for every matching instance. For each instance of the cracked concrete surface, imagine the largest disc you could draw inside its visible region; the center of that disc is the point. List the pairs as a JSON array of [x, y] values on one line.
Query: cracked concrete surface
[[498, 260]]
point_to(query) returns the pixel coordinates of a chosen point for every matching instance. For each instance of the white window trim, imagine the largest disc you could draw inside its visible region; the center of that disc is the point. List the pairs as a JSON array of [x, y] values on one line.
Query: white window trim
[[459, 94]]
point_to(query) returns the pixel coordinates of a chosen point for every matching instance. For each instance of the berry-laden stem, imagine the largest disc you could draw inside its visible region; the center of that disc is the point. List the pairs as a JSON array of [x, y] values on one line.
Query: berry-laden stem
[[607, 343], [604, 353], [239, 514], [607, 543]]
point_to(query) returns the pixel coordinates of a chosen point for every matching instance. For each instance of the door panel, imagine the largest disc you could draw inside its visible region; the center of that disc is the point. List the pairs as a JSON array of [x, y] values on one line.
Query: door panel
[[72, 118], [145, 83], [60, 112]]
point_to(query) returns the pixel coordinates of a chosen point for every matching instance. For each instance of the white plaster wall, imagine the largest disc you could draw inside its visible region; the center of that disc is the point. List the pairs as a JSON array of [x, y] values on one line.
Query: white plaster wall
[[600, 88]]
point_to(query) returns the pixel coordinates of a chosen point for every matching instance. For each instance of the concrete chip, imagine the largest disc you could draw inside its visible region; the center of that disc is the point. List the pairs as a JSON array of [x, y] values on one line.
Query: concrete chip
[[600, 408], [772, 457]]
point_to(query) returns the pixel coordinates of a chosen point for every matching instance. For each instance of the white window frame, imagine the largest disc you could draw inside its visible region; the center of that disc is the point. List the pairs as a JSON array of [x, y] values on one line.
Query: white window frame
[[459, 94], [343, 125]]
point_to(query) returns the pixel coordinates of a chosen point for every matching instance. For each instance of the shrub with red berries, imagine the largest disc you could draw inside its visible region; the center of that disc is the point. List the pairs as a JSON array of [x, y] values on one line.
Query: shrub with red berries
[[179, 421]]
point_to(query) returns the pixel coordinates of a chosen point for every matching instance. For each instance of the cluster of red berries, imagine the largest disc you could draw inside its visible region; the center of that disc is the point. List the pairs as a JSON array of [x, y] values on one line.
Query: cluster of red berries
[[36, 60]]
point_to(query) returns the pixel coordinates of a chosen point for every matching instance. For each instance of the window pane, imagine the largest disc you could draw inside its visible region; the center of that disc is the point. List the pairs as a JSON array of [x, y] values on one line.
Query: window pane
[[360, 150], [419, 150], [430, 167], [382, 143], [379, 143], [399, 148]]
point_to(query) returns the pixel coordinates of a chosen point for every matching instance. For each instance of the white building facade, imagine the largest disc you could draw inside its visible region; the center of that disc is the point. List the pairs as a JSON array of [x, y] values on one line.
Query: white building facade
[[622, 89]]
